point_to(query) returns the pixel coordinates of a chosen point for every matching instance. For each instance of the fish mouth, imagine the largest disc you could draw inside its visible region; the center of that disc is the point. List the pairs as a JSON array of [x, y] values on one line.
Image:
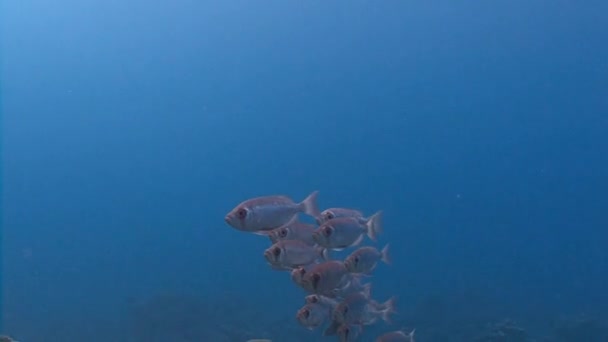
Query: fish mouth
[[269, 256], [227, 219]]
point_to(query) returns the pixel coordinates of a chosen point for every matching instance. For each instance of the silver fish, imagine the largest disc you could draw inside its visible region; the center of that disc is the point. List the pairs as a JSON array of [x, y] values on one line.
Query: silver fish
[[396, 336], [359, 308], [288, 254], [351, 284], [332, 213], [321, 300], [262, 214], [313, 315], [294, 231], [325, 277], [298, 274], [342, 232], [365, 259]]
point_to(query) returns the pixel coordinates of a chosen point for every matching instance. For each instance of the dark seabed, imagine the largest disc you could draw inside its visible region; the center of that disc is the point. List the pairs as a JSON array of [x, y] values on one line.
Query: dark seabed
[[131, 128]]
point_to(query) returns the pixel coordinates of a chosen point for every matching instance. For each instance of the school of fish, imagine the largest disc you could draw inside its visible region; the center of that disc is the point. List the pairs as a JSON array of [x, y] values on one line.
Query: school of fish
[[337, 300]]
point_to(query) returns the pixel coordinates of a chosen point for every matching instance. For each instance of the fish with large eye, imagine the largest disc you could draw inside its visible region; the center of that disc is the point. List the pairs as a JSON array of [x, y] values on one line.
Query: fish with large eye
[[288, 254], [322, 300], [332, 213], [262, 214], [293, 231], [312, 316], [327, 277], [365, 259], [359, 308], [343, 232]]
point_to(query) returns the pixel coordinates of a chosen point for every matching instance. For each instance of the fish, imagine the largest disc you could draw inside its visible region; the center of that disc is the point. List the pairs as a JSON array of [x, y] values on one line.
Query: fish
[[396, 336], [359, 308], [312, 316], [349, 333], [352, 284], [294, 231], [297, 276], [262, 214], [325, 277], [288, 254], [321, 300], [332, 213], [343, 232], [365, 259]]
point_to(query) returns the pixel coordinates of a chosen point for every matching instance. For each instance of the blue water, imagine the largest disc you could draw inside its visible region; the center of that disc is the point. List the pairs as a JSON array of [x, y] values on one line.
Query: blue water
[[130, 128]]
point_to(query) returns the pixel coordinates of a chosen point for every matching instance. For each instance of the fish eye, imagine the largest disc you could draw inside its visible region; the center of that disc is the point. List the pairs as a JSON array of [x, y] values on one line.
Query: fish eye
[[329, 215], [276, 251], [306, 313], [345, 310], [327, 231], [315, 280], [283, 232], [356, 260], [314, 299], [242, 213]]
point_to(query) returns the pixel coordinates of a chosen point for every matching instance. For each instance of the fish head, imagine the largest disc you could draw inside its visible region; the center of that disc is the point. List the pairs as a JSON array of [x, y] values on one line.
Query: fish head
[[238, 217], [274, 254], [297, 275], [323, 234], [325, 216], [341, 312], [311, 315], [352, 262], [279, 234], [312, 299]]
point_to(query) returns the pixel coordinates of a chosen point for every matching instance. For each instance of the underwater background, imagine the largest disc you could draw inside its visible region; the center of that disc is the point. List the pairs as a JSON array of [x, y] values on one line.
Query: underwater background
[[130, 128]]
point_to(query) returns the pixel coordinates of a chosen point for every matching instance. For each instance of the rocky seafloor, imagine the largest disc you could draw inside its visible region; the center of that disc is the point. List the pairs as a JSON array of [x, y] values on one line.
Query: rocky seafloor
[[188, 318]]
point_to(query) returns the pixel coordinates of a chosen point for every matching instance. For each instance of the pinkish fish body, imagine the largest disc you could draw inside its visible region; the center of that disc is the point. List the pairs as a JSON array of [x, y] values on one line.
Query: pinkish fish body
[[396, 336], [343, 232], [332, 213], [365, 259], [326, 277], [262, 214], [312, 316], [321, 300], [288, 254], [359, 308], [294, 231]]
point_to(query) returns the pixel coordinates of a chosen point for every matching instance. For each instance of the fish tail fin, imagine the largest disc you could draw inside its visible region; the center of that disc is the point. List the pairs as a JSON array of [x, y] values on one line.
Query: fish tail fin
[[374, 225], [385, 256], [309, 205], [389, 309], [367, 290], [411, 335]]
